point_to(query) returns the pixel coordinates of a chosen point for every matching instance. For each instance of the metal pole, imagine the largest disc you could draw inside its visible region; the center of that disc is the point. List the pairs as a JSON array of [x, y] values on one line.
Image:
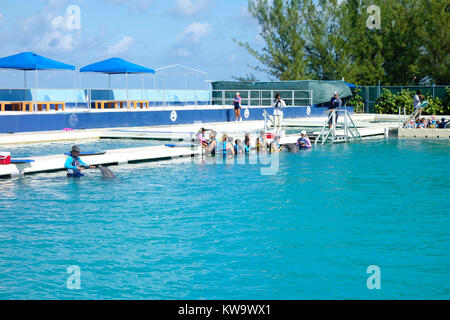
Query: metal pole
[[80, 84], [128, 92], [24, 79], [346, 123], [75, 88], [35, 93], [109, 80], [334, 125]]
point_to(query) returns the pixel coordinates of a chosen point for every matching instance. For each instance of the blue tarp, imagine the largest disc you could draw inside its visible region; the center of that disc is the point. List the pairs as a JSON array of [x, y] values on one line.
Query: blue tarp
[[116, 66], [31, 61]]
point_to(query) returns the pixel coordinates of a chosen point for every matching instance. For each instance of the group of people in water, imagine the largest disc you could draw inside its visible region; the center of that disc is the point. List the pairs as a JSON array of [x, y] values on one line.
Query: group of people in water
[[228, 146]]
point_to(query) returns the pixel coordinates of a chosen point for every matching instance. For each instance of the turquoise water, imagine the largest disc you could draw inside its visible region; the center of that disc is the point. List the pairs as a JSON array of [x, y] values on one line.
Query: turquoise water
[[42, 149], [187, 230]]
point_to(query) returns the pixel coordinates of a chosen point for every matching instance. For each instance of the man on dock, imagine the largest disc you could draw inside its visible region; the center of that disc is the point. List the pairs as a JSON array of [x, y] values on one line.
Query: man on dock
[[335, 103]]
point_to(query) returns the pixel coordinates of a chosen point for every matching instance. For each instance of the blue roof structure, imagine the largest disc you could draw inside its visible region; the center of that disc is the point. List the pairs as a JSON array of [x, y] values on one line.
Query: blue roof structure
[[32, 61], [116, 66], [350, 85]]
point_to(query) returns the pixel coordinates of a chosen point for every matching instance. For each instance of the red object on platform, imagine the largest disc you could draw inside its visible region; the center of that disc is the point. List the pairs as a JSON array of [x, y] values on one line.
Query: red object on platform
[[270, 135], [5, 158]]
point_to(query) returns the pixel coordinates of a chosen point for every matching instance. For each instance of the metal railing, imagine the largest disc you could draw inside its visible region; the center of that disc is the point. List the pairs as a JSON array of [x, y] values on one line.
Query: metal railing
[[263, 98], [350, 129], [267, 120]]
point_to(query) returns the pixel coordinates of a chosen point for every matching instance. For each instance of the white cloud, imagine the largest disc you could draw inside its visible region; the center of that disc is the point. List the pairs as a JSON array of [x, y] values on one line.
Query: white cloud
[[133, 5], [120, 47], [194, 32], [48, 32], [56, 41], [191, 7], [183, 52]]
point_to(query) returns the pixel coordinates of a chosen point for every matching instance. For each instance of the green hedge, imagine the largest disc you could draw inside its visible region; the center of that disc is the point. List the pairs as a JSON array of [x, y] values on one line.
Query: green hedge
[[389, 103]]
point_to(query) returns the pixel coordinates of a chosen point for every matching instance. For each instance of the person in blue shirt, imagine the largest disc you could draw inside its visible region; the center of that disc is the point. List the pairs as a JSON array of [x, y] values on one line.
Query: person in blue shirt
[[432, 122], [74, 164], [303, 143], [238, 147], [335, 103]]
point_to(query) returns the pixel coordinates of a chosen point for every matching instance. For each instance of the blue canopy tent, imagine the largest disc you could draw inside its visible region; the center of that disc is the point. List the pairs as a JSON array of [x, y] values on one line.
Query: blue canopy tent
[[350, 85], [117, 66], [28, 61]]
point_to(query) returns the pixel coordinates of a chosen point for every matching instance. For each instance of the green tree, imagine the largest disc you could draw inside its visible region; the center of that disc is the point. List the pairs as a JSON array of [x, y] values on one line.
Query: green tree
[[363, 46], [282, 29], [435, 38], [328, 40], [401, 41], [325, 43]]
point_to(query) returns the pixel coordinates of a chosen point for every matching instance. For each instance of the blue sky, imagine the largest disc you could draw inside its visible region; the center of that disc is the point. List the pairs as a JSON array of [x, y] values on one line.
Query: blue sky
[[154, 33]]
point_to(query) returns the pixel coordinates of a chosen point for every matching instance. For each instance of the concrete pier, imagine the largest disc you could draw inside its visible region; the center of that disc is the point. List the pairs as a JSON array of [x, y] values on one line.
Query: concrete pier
[[424, 133], [111, 157]]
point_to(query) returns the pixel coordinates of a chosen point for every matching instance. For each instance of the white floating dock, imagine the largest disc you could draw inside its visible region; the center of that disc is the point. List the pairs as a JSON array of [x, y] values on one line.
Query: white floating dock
[[111, 157]]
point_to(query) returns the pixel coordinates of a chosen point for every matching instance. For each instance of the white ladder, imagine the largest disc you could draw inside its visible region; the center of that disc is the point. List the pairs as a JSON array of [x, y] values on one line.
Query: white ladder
[[350, 130]]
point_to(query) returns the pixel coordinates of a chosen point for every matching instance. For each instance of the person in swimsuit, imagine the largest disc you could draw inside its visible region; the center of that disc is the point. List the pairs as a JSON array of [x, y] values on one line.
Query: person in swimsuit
[[237, 103]]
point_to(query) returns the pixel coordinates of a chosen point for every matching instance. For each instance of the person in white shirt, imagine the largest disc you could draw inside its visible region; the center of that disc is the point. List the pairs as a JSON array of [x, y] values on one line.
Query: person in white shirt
[[278, 105], [417, 99]]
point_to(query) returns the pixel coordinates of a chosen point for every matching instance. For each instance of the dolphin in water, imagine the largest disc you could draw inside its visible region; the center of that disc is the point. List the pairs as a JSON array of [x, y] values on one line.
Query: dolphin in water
[[106, 173], [291, 147]]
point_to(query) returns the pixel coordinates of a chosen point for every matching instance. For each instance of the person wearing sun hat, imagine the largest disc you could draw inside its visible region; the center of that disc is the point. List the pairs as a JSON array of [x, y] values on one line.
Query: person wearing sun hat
[[304, 143], [74, 164]]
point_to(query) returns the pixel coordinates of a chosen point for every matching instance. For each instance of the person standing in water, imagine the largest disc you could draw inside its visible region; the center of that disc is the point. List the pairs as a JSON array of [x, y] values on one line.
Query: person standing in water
[[278, 105], [247, 143], [275, 145], [304, 143], [75, 165], [212, 144], [227, 146], [261, 142], [237, 103]]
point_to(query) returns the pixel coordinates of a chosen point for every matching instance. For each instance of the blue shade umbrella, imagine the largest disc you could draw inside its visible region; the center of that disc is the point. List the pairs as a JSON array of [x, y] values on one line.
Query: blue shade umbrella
[[116, 66], [28, 61]]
